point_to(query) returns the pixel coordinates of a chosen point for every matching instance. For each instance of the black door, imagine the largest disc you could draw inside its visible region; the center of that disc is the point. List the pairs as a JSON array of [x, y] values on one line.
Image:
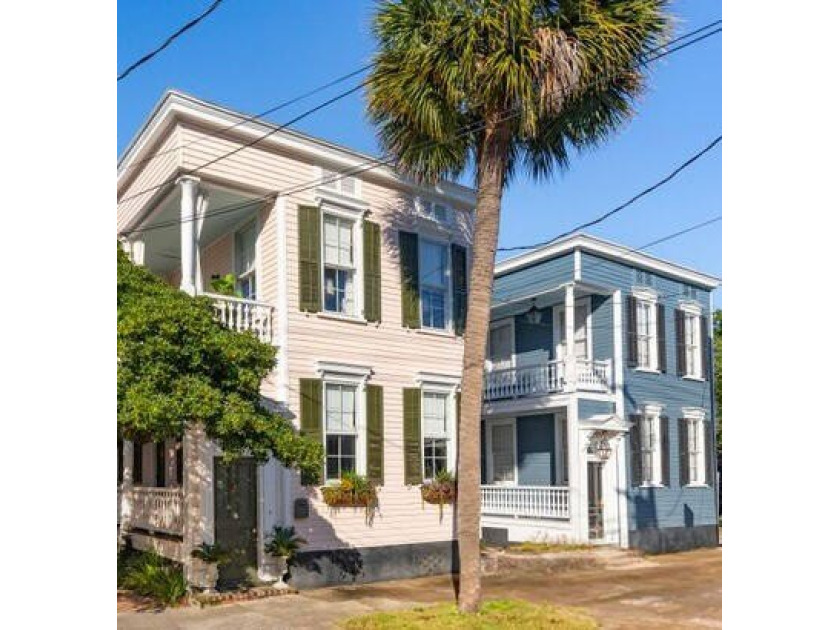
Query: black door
[[236, 517], [596, 500]]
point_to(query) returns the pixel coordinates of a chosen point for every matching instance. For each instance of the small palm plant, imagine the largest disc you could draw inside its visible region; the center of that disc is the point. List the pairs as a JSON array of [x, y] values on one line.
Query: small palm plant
[[283, 543]]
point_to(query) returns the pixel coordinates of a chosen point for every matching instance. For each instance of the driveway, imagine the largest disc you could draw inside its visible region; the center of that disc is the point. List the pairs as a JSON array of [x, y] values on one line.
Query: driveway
[[670, 591]]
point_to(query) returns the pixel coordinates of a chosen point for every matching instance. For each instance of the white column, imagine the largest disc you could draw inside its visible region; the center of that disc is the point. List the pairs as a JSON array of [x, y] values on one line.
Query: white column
[[189, 200], [621, 490], [127, 486], [137, 251], [571, 363], [618, 354], [578, 502]]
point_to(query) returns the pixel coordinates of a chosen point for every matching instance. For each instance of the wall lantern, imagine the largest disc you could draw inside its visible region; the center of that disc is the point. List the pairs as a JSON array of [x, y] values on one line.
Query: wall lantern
[[534, 315], [599, 445]]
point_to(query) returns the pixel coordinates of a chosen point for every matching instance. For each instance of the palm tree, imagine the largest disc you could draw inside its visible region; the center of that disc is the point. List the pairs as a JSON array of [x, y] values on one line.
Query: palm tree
[[493, 86]]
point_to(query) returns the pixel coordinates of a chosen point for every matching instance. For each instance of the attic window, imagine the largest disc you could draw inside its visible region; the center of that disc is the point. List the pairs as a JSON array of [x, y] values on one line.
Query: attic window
[[433, 210], [333, 180]]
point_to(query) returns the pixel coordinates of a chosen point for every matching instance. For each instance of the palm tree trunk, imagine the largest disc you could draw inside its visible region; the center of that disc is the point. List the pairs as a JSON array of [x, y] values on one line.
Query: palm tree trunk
[[491, 166]]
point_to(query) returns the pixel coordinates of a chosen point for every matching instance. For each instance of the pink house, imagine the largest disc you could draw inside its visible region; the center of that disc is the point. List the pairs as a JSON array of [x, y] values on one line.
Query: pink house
[[359, 281]]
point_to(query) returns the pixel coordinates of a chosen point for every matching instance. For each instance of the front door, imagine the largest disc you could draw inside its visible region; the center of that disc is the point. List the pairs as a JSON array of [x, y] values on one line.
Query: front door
[[236, 517], [596, 500]]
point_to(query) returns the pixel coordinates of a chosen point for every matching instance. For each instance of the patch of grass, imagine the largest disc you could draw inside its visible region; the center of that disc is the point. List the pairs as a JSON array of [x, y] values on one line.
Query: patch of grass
[[500, 614], [538, 547]]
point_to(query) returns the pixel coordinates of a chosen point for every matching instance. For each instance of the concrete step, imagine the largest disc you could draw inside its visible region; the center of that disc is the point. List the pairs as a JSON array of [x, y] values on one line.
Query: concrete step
[[607, 558]]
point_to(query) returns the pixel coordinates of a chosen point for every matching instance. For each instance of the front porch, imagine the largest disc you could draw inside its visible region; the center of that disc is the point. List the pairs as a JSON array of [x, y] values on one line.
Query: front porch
[[549, 476]]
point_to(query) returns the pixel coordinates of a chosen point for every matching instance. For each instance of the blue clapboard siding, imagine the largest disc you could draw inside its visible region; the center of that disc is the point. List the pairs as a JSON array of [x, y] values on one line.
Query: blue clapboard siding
[[529, 281], [672, 506], [534, 339], [602, 327], [589, 408], [535, 450]]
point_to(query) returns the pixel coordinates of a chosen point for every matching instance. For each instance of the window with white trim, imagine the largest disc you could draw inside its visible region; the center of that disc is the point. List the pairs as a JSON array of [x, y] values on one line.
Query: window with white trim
[[434, 284], [333, 180], [339, 258], [646, 333], [696, 449], [436, 433], [433, 210], [340, 429], [245, 261], [502, 453], [650, 447], [693, 357]]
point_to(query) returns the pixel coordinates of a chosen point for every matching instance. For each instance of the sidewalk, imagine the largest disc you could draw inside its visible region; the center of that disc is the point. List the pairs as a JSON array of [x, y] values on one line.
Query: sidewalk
[[676, 590]]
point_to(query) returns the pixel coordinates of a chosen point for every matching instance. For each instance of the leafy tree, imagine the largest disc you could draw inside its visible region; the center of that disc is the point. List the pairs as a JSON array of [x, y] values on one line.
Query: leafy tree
[[177, 365], [497, 86], [717, 340]]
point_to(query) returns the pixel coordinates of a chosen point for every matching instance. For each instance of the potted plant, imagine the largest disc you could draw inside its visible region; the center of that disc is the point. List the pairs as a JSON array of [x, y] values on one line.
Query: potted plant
[[224, 285], [354, 490], [282, 544], [206, 574], [441, 490]]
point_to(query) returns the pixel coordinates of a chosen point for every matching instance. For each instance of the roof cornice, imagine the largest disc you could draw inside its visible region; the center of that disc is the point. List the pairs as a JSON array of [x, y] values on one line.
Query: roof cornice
[[178, 106], [610, 250]]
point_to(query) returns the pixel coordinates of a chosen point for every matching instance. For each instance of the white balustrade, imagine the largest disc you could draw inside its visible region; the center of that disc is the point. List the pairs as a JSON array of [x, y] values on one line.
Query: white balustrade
[[157, 509], [547, 378], [243, 315], [594, 375], [525, 501]]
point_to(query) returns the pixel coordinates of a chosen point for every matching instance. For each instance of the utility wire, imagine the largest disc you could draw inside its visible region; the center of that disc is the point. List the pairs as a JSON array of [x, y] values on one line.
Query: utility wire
[[624, 205], [377, 161], [363, 167], [247, 119], [148, 56]]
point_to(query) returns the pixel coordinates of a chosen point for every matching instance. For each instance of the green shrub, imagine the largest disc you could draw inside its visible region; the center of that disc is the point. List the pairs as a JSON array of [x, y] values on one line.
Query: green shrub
[[150, 575]]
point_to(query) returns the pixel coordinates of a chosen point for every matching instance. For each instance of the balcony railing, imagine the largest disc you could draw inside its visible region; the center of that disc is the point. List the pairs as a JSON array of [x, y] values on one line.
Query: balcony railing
[[243, 315], [157, 509], [525, 501], [548, 378]]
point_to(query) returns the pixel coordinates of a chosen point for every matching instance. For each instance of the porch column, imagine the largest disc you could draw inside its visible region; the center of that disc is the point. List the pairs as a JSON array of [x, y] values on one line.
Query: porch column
[[198, 495], [127, 486], [618, 354], [570, 369], [189, 200], [137, 251]]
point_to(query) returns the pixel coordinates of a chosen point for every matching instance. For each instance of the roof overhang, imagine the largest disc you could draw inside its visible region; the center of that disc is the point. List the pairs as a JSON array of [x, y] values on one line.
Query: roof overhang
[[609, 250], [177, 106]]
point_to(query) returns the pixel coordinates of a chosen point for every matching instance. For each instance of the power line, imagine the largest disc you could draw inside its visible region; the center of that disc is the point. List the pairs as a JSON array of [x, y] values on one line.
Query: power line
[[169, 40], [363, 167], [624, 205], [377, 161], [247, 119]]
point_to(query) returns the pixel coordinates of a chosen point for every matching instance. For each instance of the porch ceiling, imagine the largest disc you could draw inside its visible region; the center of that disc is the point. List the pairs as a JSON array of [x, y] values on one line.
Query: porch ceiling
[[163, 244]]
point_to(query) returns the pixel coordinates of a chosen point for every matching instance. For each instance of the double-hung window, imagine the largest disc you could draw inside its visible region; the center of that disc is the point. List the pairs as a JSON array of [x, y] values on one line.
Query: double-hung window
[[434, 283], [646, 333], [693, 357], [436, 428], [339, 265], [650, 449], [341, 429], [696, 450], [245, 248]]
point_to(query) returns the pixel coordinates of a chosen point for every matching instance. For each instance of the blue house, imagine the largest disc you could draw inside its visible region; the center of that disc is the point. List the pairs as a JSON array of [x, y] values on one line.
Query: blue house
[[598, 422]]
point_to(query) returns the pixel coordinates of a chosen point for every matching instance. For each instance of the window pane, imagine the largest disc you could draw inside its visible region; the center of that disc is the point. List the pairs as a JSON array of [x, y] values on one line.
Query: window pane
[[332, 468], [433, 261], [348, 446], [433, 308], [434, 414]]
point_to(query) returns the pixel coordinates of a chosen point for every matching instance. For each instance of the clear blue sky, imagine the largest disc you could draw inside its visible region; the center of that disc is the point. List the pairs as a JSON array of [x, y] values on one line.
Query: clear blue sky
[[253, 54]]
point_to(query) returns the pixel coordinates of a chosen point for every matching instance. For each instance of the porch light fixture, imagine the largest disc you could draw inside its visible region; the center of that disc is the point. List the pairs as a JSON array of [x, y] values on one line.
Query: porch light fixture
[[603, 449], [533, 316]]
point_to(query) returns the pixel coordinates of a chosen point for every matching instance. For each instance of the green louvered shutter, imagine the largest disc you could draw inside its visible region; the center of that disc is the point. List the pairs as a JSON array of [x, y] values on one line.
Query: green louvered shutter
[[459, 288], [411, 436], [705, 345], [660, 338], [636, 450], [564, 450], [311, 403], [632, 344], [710, 447], [679, 325], [375, 435], [410, 279], [682, 429], [373, 271], [309, 258], [665, 445]]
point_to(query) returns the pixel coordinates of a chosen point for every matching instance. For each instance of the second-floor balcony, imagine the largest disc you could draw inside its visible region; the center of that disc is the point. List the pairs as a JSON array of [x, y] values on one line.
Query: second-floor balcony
[[551, 377], [243, 315]]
